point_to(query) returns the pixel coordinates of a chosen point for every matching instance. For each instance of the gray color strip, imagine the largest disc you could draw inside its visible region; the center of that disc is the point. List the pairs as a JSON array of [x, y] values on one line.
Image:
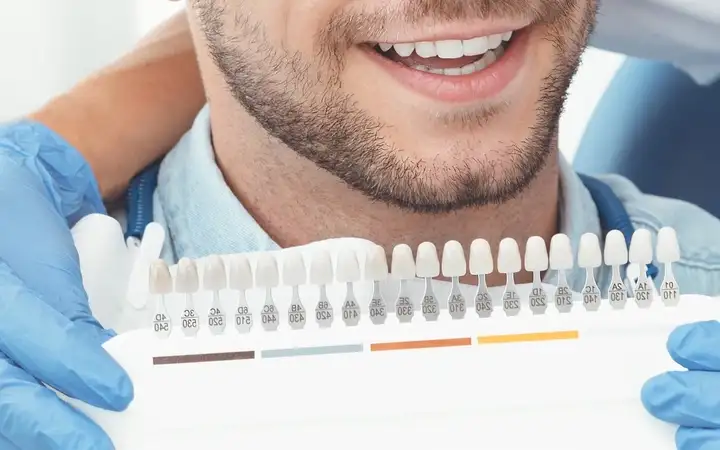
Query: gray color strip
[[311, 351]]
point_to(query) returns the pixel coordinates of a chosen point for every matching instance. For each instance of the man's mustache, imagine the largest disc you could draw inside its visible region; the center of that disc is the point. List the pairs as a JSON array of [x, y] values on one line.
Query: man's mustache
[[415, 11], [350, 28]]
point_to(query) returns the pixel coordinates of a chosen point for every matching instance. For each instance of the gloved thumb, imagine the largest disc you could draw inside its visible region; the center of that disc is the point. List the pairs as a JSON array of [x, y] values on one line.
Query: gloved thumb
[[61, 352]]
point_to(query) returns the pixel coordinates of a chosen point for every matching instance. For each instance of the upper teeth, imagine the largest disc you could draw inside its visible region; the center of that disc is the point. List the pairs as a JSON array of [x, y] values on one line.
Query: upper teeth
[[449, 49]]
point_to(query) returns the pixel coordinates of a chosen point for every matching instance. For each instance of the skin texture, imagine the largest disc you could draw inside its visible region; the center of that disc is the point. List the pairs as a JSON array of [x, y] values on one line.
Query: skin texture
[[318, 141], [132, 112]]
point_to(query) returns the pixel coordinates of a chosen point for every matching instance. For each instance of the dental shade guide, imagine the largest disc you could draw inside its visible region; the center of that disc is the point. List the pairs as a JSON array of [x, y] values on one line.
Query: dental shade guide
[[418, 368]]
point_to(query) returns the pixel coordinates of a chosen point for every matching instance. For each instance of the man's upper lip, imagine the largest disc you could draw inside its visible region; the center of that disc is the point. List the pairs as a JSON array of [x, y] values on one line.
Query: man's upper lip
[[446, 32]]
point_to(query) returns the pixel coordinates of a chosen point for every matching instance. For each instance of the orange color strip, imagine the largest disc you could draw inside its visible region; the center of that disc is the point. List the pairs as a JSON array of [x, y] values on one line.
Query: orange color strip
[[412, 345], [529, 337]]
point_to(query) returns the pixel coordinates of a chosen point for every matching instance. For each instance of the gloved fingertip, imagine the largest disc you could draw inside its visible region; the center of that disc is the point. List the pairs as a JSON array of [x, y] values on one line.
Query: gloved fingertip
[[113, 391], [659, 393], [98, 379], [687, 438], [694, 345]]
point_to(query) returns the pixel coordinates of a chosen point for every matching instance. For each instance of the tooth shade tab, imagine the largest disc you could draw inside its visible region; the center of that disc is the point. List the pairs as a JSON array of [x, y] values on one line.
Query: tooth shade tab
[[403, 264], [561, 253], [348, 267], [536, 255], [294, 271], [427, 262], [214, 274], [160, 281], [641, 248], [668, 248], [481, 257], [509, 259], [589, 253], [616, 250], [453, 260], [240, 273], [266, 271], [376, 266], [321, 268], [186, 277]]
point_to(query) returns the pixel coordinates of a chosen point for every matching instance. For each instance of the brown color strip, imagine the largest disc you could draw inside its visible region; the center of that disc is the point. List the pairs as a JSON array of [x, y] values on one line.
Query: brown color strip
[[209, 357]]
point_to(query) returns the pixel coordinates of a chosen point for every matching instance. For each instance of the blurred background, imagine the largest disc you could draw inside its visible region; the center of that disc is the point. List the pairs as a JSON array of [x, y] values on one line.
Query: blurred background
[[46, 46]]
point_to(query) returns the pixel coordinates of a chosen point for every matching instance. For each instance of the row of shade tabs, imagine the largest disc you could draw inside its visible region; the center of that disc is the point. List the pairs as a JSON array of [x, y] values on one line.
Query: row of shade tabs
[[289, 267]]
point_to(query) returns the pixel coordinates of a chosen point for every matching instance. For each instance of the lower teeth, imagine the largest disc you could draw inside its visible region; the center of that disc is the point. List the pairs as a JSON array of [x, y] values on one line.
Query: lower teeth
[[488, 58]]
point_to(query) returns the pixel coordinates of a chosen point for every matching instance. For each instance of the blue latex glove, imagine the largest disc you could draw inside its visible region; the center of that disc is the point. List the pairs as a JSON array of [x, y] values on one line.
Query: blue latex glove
[[47, 333], [690, 399]]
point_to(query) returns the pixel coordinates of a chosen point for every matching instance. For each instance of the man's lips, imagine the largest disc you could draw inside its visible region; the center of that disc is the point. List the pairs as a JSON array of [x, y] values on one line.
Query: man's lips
[[461, 79]]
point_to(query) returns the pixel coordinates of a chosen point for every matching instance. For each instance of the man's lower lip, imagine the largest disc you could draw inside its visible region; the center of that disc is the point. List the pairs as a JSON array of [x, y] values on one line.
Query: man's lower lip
[[484, 84]]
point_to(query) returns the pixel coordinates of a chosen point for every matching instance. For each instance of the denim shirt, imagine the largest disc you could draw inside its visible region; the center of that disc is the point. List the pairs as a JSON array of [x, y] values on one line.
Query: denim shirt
[[202, 216]]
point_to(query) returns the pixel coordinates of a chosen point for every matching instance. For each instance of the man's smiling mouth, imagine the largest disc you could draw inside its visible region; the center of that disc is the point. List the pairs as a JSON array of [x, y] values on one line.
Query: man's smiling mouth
[[448, 57]]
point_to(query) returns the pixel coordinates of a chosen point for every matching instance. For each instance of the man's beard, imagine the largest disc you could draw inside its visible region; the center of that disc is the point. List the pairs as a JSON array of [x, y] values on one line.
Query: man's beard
[[301, 104]]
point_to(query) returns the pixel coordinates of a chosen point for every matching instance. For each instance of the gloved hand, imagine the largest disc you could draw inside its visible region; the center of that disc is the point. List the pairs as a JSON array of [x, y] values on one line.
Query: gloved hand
[[47, 333], [690, 399]]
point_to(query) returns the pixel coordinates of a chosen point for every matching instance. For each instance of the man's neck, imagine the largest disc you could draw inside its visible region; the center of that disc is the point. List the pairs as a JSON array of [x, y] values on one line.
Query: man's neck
[[296, 203]]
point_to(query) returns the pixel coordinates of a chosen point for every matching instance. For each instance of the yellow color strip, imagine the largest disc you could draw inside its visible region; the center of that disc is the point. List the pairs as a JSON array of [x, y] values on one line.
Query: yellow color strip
[[528, 337]]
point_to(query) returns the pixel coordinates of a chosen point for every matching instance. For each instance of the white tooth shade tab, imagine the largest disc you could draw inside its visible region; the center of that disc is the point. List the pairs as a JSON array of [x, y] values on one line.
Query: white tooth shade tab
[[668, 248], [187, 280], [536, 255], [589, 251], [403, 264], [509, 259], [160, 281], [453, 260], [616, 250], [481, 257], [561, 253], [641, 248], [266, 271], [214, 274], [376, 266], [294, 270], [321, 267], [348, 268], [427, 262], [240, 273]]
